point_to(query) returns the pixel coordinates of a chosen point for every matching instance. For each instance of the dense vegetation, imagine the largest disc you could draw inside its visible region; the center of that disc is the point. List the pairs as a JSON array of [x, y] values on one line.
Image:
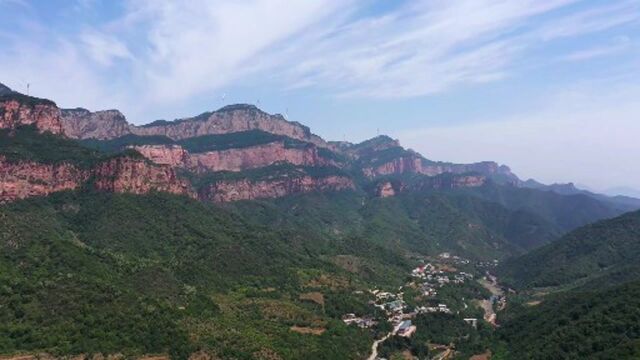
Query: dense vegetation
[[27, 144], [602, 324], [607, 251], [84, 273]]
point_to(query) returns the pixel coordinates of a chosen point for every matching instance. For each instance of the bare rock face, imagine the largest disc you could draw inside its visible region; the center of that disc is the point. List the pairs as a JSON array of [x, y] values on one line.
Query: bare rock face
[[397, 166], [230, 119], [44, 114], [415, 164], [385, 189], [172, 155], [19, 180], [245, 189], [26, 179], [445, 182], [82, 124], [137, 176], [237, 159]]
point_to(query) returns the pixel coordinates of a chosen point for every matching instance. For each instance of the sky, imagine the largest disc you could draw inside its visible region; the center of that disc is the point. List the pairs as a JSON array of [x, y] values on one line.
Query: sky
[[549, 88]]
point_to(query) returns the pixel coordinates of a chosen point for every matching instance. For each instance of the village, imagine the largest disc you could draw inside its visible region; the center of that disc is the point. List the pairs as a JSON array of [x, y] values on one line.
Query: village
[[427, 280]]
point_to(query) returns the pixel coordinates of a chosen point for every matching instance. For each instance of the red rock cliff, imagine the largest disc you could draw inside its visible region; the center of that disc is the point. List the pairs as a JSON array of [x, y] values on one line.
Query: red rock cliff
[[44, 114], [83, 124], [19, 180], [230, 119], [237, 159], [137, 176]]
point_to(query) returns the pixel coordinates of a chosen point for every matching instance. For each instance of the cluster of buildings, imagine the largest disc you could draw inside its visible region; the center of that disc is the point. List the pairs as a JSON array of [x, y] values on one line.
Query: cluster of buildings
[[441, 308], [432, 279], [453, 258], [364, 322]]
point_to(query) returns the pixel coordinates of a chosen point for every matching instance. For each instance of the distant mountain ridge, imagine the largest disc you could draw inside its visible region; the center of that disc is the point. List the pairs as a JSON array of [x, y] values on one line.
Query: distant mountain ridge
[[606, 252]]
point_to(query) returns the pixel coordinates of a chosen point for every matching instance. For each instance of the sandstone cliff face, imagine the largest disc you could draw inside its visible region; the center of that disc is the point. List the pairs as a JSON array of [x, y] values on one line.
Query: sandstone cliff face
[[43, 114], [83, 124], [416, 165], [26, 179], [444, 182], [245, 189], [110, 124], [230, 119], [127, 175], [172, 155], [233, 159], [19, 180]]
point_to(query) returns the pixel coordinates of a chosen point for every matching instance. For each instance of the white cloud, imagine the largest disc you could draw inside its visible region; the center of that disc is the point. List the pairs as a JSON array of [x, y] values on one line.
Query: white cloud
[[592, 20], [197, 46], [103, 48], [597, 51], [166, 52], [422, 48]]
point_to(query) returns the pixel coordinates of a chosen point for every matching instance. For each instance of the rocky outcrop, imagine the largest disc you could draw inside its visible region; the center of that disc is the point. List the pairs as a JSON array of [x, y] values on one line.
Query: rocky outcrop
[[137, 176], [401, 165], [82, 124], [173, 155], [109, 124], [415, 164], [448, 182], [229, 119], [19, 180], [25, 179], [246, 189], [237, 159], [385, 189], [19, 110]]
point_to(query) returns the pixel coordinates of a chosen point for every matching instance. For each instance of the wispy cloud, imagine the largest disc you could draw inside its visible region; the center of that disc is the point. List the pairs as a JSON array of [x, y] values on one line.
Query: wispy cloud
[[166, 52], [599, 51]]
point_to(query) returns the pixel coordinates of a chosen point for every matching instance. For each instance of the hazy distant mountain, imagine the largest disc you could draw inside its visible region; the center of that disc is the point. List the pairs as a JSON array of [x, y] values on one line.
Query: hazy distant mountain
[[623, 191]]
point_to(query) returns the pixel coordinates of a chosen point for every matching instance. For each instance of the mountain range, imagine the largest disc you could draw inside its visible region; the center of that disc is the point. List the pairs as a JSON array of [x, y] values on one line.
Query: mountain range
[[206, 235]]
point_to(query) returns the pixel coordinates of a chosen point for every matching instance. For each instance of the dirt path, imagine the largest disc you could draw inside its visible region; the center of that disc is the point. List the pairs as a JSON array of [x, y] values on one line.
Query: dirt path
[[374, 346], [489, 314], [487, 305]]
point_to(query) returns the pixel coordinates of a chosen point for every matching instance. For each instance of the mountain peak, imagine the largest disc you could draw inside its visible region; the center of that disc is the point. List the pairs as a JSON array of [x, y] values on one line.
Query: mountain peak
[[236, 107]]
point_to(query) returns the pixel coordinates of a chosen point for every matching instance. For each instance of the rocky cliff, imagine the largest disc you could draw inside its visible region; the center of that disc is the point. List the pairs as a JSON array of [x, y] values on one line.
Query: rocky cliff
[[82, 124], [387, 188], [19, 180], [137, 176], [413, 163], [25, 179], [19, 110], [246, 189], [229, 119], [237, 159]]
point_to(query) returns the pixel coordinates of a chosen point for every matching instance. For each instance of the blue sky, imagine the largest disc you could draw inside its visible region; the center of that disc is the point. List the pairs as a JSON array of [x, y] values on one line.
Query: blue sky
[[550, 87]]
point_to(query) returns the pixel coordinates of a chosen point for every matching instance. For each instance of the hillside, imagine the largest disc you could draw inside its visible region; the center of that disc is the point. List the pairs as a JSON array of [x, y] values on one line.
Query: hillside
[[607, 251], [94, 272], [603, 324]]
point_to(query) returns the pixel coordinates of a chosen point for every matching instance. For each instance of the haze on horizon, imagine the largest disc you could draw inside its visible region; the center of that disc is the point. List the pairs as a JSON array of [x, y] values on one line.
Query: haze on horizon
[[549, 88]]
